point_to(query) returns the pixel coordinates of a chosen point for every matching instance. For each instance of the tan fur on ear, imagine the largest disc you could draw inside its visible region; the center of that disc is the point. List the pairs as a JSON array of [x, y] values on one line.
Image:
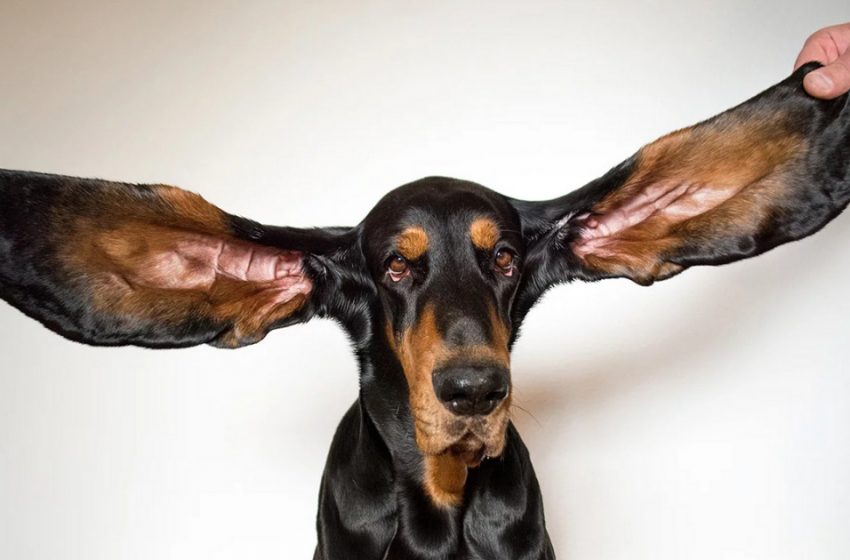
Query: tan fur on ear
[[171, 259], [192, 210], [699, 184]]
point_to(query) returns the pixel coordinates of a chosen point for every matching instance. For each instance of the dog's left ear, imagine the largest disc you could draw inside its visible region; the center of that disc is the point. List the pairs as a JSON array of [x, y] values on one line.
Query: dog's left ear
[[772, 170]]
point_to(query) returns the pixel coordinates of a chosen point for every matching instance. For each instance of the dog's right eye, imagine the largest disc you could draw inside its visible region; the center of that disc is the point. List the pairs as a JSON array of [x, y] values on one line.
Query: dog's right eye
[[397, 268]]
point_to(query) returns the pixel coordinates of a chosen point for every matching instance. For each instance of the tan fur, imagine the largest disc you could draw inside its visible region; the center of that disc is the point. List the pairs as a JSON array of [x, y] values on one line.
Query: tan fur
[[734, 171], [192, 210], [484, 234], [445, 478], [421, 350], [412, 243], [149, 259]]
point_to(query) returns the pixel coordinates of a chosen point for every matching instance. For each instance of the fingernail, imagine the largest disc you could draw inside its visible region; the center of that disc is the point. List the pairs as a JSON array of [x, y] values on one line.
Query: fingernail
[[821, 82]]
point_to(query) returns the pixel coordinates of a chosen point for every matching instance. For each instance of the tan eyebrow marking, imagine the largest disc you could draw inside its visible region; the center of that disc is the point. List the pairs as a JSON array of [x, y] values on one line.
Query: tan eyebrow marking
[[484, 233], [412, 243]]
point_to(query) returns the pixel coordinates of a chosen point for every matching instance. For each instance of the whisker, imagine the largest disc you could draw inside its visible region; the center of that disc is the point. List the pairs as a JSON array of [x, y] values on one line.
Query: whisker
[[533, 417]]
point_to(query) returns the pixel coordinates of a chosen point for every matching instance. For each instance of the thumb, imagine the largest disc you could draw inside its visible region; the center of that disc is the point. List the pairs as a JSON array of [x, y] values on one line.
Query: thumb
[[830, 81]]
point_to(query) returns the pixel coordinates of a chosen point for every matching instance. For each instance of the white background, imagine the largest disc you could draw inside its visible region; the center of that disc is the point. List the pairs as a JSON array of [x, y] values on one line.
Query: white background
[[705, 417]]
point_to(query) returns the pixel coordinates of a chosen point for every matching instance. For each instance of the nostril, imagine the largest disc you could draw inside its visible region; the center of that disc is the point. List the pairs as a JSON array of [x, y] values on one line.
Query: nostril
[[460, 406], [497, 395]]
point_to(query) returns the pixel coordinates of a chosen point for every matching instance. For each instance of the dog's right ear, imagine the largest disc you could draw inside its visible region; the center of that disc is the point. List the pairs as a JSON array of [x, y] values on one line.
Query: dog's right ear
[[152, 265], [772, 170]]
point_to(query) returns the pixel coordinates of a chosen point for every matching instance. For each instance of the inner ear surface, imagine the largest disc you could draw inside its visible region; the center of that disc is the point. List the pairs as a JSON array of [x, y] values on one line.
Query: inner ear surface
[[165, 274], [161, 257], [160, 262], [701, 183]]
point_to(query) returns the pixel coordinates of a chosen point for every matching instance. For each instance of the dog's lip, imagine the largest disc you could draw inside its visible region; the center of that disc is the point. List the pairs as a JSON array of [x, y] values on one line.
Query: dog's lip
[[469, 440], [469, 449]]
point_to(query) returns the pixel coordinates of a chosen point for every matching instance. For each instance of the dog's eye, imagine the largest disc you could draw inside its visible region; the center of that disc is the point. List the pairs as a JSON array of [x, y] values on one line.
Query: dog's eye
[[504, 261], [397, 268]]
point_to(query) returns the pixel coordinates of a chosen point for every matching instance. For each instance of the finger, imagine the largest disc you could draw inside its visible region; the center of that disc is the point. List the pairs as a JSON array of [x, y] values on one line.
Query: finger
[[813, 49], [830, 81]]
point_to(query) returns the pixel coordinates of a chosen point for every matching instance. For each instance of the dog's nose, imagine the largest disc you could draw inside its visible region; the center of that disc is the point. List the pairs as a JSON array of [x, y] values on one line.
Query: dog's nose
[[471, 390]]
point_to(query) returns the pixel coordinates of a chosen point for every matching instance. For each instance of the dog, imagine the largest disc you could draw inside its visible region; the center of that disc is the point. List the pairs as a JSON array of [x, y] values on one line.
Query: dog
[[432, 288]]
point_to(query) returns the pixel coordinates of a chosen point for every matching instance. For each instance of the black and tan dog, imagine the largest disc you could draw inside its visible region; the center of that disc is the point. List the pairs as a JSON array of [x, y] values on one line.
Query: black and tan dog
[[432, 287]]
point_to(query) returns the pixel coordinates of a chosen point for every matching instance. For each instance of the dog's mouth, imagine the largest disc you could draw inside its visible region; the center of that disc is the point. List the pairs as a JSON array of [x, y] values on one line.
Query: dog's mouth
[[447, 460], [470, 450], [467, 441], [453, 444]]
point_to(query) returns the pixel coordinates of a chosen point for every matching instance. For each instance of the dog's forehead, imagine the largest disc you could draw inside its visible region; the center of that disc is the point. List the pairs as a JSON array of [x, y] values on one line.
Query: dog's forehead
[[436, 202]]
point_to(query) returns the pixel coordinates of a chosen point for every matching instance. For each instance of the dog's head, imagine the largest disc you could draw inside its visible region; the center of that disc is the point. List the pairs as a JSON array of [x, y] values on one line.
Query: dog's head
[[446, 258], [438, 276]]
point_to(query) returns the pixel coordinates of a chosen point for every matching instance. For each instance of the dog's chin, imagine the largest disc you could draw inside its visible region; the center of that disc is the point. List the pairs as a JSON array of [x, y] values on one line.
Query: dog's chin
[[469, 440], [470, 449]]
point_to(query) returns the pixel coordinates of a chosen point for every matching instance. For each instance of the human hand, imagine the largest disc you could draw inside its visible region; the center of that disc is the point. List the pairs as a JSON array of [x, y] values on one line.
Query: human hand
[[831, 47]]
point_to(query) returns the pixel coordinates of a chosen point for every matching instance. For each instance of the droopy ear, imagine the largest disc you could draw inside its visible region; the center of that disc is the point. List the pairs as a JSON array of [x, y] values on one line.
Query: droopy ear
[[152, 265], [772, 170]]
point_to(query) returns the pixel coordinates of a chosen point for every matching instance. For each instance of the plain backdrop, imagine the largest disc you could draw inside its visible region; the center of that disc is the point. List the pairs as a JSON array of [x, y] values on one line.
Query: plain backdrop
[[707, 417]]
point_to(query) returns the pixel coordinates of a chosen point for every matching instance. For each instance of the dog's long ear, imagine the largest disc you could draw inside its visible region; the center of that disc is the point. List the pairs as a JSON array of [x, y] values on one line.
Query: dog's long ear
[[152, 265], [772, 170]]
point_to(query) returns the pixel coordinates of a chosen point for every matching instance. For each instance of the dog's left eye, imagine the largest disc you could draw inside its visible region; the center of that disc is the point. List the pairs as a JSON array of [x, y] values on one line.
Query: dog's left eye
[[397, 268], [504, 262]]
